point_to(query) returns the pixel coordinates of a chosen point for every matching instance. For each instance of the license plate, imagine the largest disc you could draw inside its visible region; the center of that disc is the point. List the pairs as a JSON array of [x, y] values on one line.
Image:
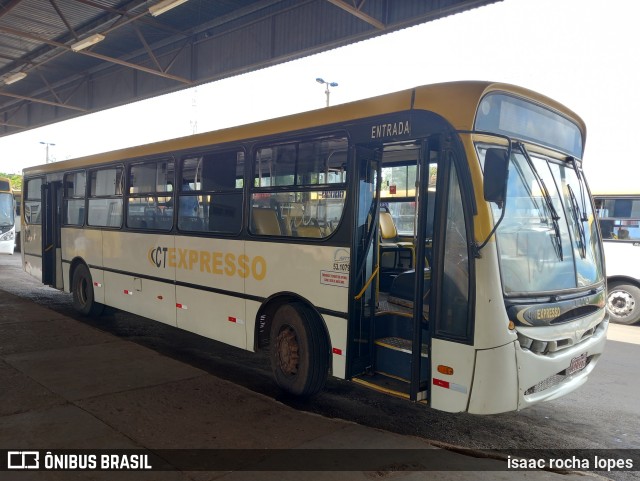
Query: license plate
[[577, 364]]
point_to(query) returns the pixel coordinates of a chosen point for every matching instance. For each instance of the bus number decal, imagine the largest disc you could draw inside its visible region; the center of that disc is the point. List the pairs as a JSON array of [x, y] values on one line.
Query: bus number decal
[[211, 262], [341, 260], [339, 275]]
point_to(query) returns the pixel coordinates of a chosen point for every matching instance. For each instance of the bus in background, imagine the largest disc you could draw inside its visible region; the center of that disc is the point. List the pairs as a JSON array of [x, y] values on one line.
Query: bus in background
[[7, 217], [619, 217], [17, 195], [280, 236]]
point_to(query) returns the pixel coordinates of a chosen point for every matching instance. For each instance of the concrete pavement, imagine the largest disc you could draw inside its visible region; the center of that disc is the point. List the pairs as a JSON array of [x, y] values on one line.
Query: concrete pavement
[[66, 385]]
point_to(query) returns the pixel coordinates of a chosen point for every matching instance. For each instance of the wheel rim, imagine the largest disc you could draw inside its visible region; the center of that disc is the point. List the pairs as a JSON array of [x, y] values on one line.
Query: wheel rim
[[621, 303], [287, 351]]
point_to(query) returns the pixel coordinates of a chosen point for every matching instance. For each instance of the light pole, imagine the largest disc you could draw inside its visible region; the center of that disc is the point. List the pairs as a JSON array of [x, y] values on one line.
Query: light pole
[[47, 144], [327, 84]]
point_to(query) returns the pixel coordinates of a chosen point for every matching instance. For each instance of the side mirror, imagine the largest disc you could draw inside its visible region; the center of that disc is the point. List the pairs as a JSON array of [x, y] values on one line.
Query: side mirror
[[496, 173]]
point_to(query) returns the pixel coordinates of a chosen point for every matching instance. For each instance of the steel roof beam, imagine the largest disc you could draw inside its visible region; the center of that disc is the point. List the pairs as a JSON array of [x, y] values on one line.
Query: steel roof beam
[[89, 53], [8, 7], [357, 12], [41, 101]]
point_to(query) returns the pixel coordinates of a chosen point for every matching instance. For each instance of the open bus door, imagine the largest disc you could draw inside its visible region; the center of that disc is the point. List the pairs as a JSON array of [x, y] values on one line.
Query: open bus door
[[383, 333], [364, 260], [51, 234], [415, 338], [452, 296]]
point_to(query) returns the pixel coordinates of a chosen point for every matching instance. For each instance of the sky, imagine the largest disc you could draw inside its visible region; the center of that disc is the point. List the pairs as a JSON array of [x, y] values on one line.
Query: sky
[[582, 53]]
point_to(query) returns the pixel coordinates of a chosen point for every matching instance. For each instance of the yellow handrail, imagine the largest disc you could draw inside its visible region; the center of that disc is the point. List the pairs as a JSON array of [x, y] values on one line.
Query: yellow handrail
[[368, 283]]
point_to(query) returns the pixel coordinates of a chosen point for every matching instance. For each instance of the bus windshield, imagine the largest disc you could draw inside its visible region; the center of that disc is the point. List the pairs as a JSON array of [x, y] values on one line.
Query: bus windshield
[[6, 210], [548, 240]]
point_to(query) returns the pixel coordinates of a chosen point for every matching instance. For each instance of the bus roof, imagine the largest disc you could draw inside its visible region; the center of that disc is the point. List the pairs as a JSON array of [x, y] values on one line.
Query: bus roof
[[455, 101], [616, 193]]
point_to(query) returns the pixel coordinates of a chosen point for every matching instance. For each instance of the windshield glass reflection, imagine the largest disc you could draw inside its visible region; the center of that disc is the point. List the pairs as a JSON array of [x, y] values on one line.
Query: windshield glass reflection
[[547, 240]]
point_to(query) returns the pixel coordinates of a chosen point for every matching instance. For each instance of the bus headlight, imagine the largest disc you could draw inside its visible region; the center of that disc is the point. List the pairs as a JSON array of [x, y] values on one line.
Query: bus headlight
[[534, 345], [8, 236], [525, 342], [539, 347]]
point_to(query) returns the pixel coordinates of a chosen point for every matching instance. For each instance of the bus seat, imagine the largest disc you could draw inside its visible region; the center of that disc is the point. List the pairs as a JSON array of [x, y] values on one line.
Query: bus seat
[[190, 223], [225, 218], [389, 239], [163, 222], [403, 286], [265, 221], [136, 222], [292, 213], [311, 230]]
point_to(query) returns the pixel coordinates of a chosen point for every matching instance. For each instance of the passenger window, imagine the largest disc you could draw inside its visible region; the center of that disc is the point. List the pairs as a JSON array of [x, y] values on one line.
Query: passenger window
[[74, 198], [619, 218], [105, 197], [33, 201], [299, 188], [150, 199], [210, 195], [398, 190]]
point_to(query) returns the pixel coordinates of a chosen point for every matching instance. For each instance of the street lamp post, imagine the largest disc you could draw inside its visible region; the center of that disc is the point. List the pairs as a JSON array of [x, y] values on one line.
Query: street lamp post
[[327, 84], [47, 144]]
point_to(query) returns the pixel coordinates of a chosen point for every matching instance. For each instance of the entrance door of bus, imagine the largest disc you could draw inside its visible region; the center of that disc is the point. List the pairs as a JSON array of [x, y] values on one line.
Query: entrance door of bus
[[51, 234], [418, 328], [364, 260], [451, 298]]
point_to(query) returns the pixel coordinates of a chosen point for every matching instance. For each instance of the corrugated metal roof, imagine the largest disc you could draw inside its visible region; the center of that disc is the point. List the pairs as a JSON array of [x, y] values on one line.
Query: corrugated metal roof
[[142, 56]]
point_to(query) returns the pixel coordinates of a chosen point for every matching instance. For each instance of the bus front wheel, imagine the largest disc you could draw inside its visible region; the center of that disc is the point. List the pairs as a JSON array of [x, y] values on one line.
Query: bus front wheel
[[299, 350], [82, 288], [624, 303]]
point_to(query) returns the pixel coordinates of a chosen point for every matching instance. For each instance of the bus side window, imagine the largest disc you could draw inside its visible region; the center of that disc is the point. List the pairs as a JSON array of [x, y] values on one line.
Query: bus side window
[[149, 199], [105, 197], [619, 218], [304, 183], [210, 197], [33, 201], [74, 198]]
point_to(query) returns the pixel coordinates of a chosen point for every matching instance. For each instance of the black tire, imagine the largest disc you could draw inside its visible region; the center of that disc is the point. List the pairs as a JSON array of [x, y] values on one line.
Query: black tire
[[623, 301], [299, 350], [82, 288]]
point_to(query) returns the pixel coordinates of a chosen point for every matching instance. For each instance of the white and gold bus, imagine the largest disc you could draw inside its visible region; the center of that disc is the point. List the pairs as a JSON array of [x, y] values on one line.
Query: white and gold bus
[[7, 217], [303, 235], [619, 218]]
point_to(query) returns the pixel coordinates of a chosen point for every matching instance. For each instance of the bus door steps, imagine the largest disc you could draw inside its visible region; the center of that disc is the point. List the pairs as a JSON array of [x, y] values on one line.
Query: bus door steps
[[384, 384], [393, 358], [390, 385]]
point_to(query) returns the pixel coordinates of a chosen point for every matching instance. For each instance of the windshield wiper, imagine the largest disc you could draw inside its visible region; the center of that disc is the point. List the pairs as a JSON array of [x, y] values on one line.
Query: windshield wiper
[[578, 221], [547, 200], [583, 199]]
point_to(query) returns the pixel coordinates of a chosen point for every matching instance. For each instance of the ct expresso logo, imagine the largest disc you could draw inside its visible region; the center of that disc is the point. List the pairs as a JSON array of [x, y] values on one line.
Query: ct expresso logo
[[211, 262]]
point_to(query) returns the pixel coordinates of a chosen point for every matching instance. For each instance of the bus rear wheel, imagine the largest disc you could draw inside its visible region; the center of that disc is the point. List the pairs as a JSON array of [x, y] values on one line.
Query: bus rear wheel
[[623, 301], [299, 350], [82, 288]]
